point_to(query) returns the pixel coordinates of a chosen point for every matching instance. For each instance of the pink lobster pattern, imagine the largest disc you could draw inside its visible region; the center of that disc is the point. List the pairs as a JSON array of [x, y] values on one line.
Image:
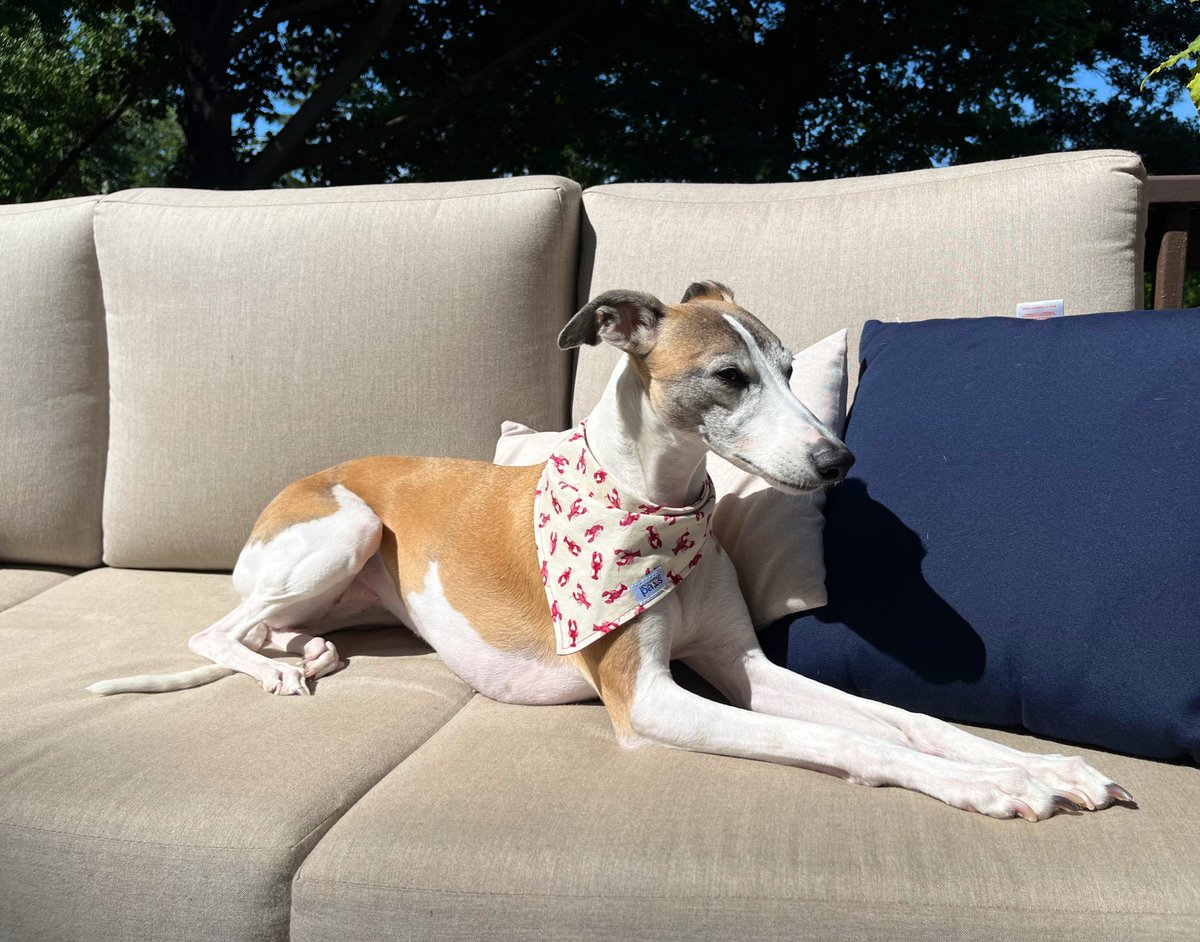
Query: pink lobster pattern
[[577, 505], [685, 542], [611, 595], [624, 557]]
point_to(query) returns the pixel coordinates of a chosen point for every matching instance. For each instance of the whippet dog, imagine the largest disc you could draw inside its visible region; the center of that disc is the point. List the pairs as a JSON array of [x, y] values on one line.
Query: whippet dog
[[457, 551]]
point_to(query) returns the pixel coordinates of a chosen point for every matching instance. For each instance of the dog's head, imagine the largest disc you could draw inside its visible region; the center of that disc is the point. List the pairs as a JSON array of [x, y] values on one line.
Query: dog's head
[[711, 368]]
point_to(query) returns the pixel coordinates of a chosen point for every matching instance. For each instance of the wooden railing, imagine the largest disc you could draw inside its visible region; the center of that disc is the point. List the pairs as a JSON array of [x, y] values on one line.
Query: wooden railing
[[1172, 236]]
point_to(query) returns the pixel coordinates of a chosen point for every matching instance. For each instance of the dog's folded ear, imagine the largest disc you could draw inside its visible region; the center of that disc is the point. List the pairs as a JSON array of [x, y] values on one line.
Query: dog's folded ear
[[627, 319], [707, 291]]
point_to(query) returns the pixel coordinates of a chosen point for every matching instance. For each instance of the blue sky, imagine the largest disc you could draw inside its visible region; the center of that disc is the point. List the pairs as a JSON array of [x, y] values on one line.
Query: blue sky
[[1182, 106], [1083, 78]]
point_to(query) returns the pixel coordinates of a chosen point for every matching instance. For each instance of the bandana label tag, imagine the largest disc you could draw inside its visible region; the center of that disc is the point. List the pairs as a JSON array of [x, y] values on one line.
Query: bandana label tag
[[649, 585]]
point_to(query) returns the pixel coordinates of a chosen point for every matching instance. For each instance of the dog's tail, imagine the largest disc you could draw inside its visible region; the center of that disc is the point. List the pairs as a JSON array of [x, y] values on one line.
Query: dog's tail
[[160, 683]]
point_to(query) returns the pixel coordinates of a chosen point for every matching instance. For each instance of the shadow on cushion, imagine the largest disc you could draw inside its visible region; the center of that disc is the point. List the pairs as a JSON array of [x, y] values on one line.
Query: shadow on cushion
[[885, 599]]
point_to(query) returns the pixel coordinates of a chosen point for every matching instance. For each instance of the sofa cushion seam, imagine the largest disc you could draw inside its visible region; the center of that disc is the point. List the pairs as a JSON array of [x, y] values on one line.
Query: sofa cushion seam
[[343, 202], [882, 187], [285, 848], [127, 840], [29, 598], [785, 899], [335, 816], [50, 206]]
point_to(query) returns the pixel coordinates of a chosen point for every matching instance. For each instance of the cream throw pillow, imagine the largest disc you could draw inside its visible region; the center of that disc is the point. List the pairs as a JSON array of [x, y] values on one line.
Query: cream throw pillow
[[774, 539]]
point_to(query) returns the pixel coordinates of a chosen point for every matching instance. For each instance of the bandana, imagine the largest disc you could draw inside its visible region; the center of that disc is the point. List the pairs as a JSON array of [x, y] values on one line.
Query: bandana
[[605, 556]]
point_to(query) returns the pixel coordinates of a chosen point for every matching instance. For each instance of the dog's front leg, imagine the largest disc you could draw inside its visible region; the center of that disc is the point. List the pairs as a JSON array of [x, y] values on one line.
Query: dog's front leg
[[630, 669], [775, 690], [725, 651]]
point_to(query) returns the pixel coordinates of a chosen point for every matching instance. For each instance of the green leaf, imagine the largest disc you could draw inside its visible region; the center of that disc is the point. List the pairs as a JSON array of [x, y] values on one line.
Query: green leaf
[[1193, 87], [1172, 60]]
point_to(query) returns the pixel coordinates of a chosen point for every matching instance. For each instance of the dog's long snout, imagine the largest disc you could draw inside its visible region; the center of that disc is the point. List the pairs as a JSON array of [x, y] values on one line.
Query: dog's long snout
[[832, 461]]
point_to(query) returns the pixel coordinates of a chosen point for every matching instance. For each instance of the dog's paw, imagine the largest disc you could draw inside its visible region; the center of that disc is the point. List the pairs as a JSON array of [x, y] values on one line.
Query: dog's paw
[[1072, 777], [320, 658], [1014, 793], [286, 681]]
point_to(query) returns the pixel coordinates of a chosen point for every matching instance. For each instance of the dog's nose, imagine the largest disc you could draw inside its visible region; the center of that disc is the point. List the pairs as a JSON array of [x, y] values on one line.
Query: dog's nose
[[832, 462]]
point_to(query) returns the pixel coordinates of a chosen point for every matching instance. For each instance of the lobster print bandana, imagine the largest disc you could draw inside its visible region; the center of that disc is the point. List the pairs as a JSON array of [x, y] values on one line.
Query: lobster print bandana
[[605, 556]]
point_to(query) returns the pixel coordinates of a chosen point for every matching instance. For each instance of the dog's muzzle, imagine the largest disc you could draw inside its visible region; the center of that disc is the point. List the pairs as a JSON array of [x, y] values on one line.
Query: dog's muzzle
[[832, 462]]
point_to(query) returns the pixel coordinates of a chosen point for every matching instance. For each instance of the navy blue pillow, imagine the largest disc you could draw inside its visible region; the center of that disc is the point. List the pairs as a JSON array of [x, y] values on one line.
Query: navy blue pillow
[[1019, 541]]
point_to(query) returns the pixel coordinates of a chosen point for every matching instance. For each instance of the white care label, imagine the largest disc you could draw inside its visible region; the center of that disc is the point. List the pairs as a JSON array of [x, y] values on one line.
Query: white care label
[[1040, 310]]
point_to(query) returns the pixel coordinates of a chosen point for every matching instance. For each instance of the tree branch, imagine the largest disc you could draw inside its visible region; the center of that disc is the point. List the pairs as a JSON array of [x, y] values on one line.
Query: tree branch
[[272, 18], [72, 156], [199, 21], [268, 163], [428, 108]]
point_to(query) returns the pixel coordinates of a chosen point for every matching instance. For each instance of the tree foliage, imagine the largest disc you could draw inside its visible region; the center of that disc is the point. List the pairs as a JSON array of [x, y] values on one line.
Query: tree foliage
[[1193, 71], [228, 93], [75, 116]]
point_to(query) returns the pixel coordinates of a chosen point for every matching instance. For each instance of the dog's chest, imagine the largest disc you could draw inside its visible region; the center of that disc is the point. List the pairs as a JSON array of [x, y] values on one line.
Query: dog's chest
[[708, 600], [605, 555]]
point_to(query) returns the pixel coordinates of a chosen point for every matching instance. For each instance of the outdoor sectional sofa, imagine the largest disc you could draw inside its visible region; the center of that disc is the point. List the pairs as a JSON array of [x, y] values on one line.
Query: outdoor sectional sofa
[[170, 358]]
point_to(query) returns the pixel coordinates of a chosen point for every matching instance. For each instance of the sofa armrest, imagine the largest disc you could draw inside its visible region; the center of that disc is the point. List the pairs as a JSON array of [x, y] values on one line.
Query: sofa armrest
[[1173, 235]]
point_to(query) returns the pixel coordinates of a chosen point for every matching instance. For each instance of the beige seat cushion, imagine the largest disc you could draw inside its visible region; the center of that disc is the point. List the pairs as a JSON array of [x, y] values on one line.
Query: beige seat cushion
[[18, 583], [810, 258], [180, 815], [53, 385], [258, 337], [482, 834]]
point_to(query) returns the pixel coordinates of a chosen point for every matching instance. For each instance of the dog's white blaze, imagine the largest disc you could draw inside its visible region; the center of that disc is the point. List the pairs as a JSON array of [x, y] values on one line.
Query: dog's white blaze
[[782, 396], [781, 432], [501, 675]]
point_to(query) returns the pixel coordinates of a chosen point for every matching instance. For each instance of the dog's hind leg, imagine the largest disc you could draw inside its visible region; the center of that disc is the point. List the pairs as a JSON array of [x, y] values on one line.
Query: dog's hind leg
[[318, 656], [241, 626], [302, 558], [287, 581], [232, 642]]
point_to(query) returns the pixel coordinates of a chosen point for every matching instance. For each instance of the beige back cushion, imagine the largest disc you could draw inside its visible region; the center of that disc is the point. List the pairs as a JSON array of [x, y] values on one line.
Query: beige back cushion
[[810, 258], [258, 337], [53, 385]]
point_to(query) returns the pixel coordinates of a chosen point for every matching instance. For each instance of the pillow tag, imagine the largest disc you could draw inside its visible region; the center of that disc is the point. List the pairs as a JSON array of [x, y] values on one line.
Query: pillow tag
[[1040, 310]]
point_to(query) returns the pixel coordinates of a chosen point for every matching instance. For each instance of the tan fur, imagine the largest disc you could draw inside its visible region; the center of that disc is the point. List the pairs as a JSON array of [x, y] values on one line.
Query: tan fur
[[611, 667], [474, 518], [690, 337], [307, 499]]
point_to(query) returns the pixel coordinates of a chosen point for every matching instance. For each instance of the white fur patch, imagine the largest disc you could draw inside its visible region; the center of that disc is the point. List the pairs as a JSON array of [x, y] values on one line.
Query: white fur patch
[[304, 561], [501, 675]]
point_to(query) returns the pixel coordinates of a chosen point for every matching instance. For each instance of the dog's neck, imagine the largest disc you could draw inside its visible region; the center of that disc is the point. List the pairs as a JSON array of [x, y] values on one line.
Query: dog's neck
[[637, 448]]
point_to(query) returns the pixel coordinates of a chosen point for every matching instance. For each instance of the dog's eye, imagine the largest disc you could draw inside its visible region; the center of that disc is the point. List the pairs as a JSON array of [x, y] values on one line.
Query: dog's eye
[[733, 376], [787, 372]]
